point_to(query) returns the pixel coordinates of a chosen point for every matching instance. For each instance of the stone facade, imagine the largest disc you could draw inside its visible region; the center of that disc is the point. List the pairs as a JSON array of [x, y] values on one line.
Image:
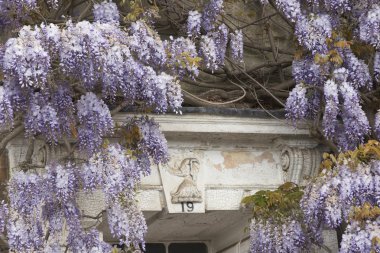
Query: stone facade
[[215, 162]]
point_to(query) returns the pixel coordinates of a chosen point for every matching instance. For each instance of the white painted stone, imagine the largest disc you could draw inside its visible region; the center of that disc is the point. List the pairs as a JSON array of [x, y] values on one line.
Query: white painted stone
[[235, 157]]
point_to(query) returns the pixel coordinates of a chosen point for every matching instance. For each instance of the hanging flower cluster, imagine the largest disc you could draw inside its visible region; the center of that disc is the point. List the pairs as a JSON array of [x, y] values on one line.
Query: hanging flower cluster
[[281, 237], [277, 220], [60, 82], [213, 44], [331, 67], [348, 186]]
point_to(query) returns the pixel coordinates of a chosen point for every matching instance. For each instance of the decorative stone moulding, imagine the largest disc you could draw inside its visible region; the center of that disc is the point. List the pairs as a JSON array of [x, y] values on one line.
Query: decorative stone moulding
[[187, 191], [300, 163]]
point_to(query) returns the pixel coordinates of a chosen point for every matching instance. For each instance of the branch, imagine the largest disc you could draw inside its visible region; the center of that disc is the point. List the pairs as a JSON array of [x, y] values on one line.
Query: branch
[[10, 136], [208, 85], [218, 103], [269, 49], [258, 83], [84, 12], [118, 108], [97, 217], [258, 20]]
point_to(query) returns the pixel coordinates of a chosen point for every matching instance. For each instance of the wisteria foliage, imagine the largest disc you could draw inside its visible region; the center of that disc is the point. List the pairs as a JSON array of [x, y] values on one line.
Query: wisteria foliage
[[330, 65], [347, 191], [62, 83], [347, 184]]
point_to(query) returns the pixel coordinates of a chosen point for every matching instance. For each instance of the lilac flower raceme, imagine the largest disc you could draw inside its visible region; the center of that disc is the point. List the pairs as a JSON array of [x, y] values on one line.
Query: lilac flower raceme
[[62, 102], [25, 234], [221, 40], [82, 44], [106, 12], [355, 121], [208, 51], [50, 36], [210, 14], [369, 26], [312, 32], [358, 71], [329, 199], [270, 236], [339, 6], [95, 122], [4, 212], [297, 104], [305, 70], [376, 66], [361, 238], [128, 223], [377, 124], [152, 141], [26, 60], [26, 192], [57, 80], [237, 46], [62, 182], [42, 118], [6, 109], [330, 119], [114, 170], [146, 43], [174, 95], [194, 24], [291, 8], [180, 50]]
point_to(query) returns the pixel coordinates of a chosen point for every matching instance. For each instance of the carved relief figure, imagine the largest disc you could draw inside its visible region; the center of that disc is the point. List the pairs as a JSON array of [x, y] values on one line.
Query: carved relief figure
[[187, 191]]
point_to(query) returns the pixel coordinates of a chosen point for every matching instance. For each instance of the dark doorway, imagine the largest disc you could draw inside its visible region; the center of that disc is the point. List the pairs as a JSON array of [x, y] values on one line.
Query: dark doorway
[[187, 248]]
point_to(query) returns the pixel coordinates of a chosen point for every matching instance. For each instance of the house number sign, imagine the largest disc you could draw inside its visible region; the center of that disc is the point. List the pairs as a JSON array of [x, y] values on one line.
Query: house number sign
[[187, 207]]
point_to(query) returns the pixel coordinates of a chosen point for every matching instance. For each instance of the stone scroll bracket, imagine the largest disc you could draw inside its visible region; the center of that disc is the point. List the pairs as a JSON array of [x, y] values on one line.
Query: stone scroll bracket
[[300, 159]]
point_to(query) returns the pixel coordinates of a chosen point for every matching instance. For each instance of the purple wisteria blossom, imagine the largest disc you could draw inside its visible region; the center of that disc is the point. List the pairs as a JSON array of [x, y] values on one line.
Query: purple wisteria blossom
[[194, 24], [360, 237], [270, 236], [297, 104], [42, 119], [376, 66], [95, 122], [377, 124], [358, 72], [26, 60], [106, 12], [6, 109], [210, 14], [179, 50], [339, 6], [330, 120], [146, 43], [291, 8], [59, 83], [221, 40], [237, 46], [312, 32], [4, 212], [355, 121], [370, 26], [328, 200], [208, 51], [307, 71]]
